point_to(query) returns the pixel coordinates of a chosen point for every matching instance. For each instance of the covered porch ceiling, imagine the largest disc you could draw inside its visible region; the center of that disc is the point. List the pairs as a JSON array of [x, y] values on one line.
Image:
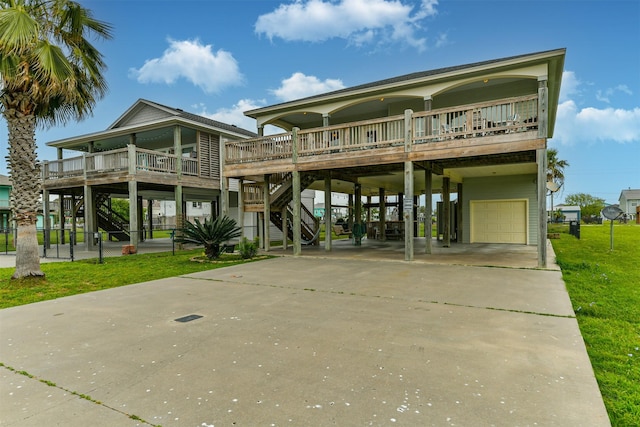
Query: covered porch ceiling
[[391, 176]]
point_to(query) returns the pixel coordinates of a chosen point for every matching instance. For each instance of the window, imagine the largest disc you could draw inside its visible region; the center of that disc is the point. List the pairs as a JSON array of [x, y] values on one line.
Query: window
[[197, 204]]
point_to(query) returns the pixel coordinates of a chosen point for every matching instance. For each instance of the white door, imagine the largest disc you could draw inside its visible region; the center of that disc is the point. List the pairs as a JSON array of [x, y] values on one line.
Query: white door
[[499, 221]]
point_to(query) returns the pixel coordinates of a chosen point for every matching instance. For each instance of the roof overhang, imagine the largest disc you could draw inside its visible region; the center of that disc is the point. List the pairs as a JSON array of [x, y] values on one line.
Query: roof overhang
[[552, 63]]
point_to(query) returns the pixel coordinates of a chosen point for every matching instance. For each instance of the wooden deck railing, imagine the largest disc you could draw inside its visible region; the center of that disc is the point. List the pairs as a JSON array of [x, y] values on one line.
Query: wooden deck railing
[[117, 161], [468, 121]]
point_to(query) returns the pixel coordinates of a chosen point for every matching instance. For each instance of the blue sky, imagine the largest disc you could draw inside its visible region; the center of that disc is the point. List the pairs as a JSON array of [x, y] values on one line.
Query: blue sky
[[219, 58]]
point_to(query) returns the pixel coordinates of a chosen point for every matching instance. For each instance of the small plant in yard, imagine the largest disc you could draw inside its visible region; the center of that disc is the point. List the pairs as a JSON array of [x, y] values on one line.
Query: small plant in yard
[[212, 234], [248, 249]]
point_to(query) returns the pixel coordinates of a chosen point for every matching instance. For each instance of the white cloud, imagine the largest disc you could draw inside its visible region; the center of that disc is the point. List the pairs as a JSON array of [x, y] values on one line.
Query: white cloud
[[605, 96], [570, 85], [300, 85], [235, 115], [578, 125], [589, 125], [193, 61], [357, 21]]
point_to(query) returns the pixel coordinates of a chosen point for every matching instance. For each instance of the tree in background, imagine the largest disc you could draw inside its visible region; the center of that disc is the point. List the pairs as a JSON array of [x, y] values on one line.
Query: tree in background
[[555, 170], [49, 74], [590, 206]]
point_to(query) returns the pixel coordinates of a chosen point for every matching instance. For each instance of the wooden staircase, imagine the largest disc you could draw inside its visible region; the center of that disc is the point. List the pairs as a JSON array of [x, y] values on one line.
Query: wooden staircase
[[281, 196], [108, 220]]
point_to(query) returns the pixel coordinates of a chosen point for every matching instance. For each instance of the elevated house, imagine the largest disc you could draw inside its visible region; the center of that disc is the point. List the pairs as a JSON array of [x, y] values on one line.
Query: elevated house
[[152, 152], [629, 202], [479, 130]]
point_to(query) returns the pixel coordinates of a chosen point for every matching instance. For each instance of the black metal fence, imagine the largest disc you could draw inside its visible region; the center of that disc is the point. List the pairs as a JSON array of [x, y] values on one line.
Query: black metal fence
[[67, 244]]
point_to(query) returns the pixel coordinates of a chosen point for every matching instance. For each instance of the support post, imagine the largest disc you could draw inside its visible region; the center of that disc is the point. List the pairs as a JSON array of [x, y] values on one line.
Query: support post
[[285, 232], [428, 208], [89, 215], [541, 159], [459, 215], [46, 221], [179, 205], [446, 211], [62, 217], [297, 195], [297, 202], [328, 228], [383, 214], [267, 213], [407, 204], [240, 207], [133, 214], [407, 211], [150, 217]]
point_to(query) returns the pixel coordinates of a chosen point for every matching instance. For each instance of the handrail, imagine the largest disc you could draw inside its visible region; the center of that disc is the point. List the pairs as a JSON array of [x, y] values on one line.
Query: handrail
[[507, 115]]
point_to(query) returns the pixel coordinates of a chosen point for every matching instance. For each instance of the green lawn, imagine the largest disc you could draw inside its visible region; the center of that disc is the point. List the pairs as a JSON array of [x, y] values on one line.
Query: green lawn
[[71, 278], [604, 288]]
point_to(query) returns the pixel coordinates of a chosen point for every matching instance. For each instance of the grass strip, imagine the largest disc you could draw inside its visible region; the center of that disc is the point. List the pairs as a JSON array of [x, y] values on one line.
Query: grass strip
[[604, 287]]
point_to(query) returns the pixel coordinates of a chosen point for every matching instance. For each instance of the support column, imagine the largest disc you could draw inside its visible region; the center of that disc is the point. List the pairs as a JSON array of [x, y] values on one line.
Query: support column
[[89, 215], [297, 195], [446, 212], [150, 217], [267, 213], [328, 227], [459, 212], [240, 207], [383, 214], [140, 220], [74, 215], [350, 211], [297, 202], [224, 196], [62, 217], [46, 222], [541, 159], [407, 207], [179, 205], [134, 230], [428, 208], [407, 211], [357, 235], [285, 226]]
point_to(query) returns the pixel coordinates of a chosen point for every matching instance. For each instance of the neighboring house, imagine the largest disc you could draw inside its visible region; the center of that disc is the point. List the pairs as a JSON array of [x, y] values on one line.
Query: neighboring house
[[5, 197], [479, 130], [569, 213], [629, 201], [152, 152], [5, 207]]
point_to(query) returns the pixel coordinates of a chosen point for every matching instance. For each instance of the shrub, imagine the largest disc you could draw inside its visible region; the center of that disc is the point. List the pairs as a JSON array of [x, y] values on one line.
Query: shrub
[[247, 248], [211, 234]]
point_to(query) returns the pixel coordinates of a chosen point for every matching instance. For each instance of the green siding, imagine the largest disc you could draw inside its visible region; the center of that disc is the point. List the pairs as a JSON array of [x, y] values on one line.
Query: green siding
[[500, 188]]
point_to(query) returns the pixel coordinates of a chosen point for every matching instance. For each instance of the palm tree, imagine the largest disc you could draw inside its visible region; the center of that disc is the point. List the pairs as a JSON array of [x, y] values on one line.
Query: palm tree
[[211, 234], [49, 74], [555, 170]]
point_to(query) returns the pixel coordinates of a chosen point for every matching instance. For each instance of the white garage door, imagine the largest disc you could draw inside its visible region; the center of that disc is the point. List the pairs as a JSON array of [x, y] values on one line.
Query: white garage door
[[499, 221]]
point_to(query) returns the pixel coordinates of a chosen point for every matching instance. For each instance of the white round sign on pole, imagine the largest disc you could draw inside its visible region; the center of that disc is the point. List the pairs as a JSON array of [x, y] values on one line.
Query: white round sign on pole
[[611, 212]]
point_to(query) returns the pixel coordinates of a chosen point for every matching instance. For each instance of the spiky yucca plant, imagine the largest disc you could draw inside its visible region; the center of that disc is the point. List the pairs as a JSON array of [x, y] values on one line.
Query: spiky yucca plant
[[212, 233]]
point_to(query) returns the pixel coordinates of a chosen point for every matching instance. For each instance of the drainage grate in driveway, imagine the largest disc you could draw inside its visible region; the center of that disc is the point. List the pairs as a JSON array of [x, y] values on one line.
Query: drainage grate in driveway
[[188, 318]]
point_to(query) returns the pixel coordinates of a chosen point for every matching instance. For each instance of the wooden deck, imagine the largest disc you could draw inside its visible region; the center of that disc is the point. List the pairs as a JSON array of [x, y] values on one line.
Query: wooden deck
[[504, 126], [122, 165]]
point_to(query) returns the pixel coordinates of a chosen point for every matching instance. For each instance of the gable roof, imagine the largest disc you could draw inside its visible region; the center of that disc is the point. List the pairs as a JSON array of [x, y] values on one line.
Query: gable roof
[[145, 115], [141, 103], [629, 194], [422, 75]]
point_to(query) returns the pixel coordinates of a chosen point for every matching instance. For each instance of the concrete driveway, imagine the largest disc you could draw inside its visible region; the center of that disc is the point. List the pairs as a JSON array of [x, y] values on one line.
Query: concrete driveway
[[304, 341]]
